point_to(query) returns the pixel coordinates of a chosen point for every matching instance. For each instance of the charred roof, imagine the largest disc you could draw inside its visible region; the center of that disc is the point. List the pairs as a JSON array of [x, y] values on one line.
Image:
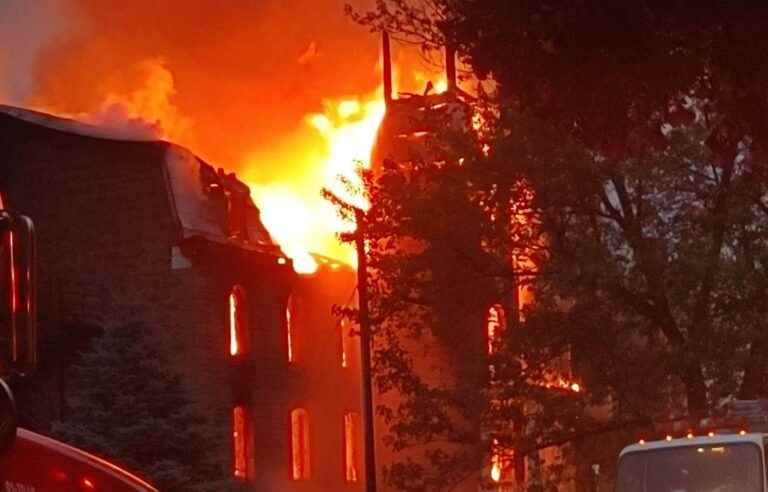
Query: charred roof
[[206, 202]]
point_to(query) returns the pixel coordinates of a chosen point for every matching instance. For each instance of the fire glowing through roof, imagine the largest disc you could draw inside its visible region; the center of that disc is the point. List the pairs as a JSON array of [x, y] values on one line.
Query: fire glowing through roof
[[230, 93], [296, 221]]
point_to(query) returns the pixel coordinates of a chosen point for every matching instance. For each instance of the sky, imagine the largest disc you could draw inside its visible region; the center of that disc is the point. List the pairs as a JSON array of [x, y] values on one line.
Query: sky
[[240, 83], [25, 27], [244, 74]]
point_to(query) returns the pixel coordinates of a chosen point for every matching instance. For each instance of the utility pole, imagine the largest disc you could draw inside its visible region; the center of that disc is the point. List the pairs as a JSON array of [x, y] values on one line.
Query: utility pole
[[450, 67], [364, 321], [386, 67]]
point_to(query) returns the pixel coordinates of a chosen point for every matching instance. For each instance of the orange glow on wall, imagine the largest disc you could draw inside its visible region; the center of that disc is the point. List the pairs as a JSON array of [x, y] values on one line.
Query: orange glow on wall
[[351, 447], [239, 442], [300, 452], [290, 318], [495, 323], [237, 321]]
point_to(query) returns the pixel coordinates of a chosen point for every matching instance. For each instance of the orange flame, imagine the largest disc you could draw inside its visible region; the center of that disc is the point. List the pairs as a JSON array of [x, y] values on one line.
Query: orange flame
[[149, 105], [286, 172], [296, 215], [145, 112]]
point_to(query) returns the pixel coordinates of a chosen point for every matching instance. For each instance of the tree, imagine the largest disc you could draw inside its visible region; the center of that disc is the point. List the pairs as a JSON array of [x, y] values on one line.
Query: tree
[[608, 73], [129, 407], [648, 275], [630, 191]]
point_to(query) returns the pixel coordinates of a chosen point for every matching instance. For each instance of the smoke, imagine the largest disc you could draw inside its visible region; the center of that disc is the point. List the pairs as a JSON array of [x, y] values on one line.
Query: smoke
[[233, 81], [146, 112], [244, 73], [25, 28]]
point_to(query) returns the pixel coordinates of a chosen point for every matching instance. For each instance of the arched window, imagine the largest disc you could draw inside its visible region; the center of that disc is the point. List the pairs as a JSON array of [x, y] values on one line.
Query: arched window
[[238, 322], [346, 343], [290, 328], [495, 323], [240, 441], [351, 447], [300, 452]]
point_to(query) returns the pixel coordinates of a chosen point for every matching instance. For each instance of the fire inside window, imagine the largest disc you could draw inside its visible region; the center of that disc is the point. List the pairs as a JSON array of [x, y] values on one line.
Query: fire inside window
[[351, 447], [500, 463], [345, 343], [290, 319], [240, 450], [300, 462], [238, 333], [495, 323]]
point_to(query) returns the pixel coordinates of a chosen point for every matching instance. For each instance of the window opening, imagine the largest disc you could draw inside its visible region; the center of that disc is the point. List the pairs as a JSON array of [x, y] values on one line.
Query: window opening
[[300, 453], [351, 447], [495, 324], [239, 431], [238, 333], [290, 321]]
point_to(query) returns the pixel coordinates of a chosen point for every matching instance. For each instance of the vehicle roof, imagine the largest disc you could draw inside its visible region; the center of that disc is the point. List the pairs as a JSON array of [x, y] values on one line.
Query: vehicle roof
[[755, 438], [79, 455]]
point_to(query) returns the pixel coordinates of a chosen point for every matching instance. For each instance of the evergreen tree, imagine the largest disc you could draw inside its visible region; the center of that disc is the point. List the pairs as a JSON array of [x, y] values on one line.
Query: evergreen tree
[[127, 406]]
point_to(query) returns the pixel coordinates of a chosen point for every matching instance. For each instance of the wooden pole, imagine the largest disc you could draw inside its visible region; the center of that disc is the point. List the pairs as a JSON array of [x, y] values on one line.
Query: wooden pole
[[386, 62], [364, 320], [450, 66]]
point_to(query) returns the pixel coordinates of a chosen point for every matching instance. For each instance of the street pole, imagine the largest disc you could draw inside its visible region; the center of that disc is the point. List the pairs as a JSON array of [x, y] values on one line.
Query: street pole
[[386, 65], [364, 320]]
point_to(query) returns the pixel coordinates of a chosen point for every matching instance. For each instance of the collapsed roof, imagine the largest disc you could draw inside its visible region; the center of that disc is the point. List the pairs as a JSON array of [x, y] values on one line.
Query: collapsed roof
[[206, 202]]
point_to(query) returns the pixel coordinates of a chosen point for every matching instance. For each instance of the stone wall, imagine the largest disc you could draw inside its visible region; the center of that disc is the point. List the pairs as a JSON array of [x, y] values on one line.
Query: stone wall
[[110, 252]]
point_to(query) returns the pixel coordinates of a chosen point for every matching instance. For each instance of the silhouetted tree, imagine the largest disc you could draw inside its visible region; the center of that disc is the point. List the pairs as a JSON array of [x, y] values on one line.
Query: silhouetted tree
[[621, 180]]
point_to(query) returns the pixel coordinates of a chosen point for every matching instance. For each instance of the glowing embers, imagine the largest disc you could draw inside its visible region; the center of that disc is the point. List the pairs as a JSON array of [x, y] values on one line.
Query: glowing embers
[[238, 322], [239, 443], [501, 463], [293, 211], [300, 452], [495, 323], [290, 328], [351, 447]]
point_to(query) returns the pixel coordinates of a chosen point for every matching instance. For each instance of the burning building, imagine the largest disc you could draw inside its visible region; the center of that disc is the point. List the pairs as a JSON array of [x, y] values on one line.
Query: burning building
[[424, 128], [145, 231]]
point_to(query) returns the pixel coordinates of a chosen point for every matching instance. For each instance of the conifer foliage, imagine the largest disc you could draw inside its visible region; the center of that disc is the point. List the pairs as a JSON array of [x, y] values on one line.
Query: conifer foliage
[[127, 406]]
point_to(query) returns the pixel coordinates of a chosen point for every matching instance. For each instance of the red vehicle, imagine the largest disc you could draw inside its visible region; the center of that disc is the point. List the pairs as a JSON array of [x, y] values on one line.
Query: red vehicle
[[30, 462]]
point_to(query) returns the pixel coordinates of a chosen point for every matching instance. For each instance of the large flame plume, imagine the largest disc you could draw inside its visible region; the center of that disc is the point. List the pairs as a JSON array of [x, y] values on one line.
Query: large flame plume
[[295, 213], [288, 102]]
